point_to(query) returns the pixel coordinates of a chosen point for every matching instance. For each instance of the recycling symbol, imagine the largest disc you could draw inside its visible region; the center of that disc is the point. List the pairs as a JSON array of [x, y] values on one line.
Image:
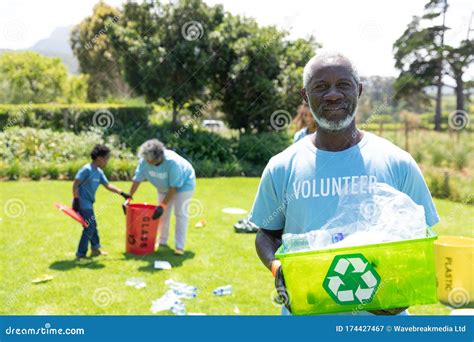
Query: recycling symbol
[[351, 279]]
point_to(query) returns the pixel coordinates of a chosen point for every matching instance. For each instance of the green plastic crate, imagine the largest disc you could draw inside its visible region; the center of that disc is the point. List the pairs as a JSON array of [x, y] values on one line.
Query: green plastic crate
[[349, 279]]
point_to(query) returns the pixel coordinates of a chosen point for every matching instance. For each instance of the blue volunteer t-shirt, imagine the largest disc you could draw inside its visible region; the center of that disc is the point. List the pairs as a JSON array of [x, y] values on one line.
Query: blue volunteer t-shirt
[[174, 172], [299, 189], [90, 178], [300, 134]]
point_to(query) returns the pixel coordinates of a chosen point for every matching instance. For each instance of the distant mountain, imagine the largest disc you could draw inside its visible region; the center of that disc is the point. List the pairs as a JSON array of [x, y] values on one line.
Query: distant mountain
[[56, 45]]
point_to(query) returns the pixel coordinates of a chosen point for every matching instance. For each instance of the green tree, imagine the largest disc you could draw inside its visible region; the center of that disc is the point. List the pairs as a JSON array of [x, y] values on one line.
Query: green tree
[[459, 59], [419, 55], [30, 77], [91, 44], [75, 89], [167, 49], [257, 73]]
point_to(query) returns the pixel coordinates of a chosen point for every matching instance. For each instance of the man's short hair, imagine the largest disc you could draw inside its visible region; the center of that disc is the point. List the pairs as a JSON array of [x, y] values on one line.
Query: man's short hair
[[99, 150], [326, 58]]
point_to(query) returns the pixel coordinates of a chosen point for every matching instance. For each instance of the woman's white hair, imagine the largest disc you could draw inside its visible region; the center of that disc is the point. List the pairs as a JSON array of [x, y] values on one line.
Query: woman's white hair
[[325, 58], [152, 149]]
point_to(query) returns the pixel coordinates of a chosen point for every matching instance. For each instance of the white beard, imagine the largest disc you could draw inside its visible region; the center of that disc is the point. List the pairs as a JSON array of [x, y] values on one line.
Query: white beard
[[334, 125]]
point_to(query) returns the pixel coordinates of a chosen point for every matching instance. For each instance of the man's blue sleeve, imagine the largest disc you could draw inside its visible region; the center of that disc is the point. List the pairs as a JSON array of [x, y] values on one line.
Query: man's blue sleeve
[[268, 210], [414, 185]]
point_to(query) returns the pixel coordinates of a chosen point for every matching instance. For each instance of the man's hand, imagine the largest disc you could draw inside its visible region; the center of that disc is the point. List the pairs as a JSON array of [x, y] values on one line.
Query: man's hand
[[388, 312], [159, 211], [282, 297], [125, 195], [75, 204]]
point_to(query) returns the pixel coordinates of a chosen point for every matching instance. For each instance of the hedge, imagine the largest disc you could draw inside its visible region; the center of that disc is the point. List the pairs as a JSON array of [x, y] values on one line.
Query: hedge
[[73, 117]]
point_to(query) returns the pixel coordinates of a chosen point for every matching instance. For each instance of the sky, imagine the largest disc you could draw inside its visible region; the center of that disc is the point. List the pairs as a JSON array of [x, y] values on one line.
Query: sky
[[364, 30]]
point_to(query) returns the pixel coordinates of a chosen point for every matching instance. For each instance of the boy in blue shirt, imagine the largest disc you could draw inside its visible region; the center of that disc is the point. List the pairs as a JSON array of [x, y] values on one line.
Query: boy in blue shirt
[[85, 185]]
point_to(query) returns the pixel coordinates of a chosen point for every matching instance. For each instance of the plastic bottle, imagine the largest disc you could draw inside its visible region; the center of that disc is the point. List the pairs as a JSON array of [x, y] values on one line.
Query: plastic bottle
[[223, 290]]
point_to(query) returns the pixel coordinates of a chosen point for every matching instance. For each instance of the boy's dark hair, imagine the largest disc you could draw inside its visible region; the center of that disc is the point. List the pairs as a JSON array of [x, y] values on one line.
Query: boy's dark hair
[[99, 151]]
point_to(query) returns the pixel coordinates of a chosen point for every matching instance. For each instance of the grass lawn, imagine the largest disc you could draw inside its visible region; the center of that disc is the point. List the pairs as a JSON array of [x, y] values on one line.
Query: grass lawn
[[43, 241]]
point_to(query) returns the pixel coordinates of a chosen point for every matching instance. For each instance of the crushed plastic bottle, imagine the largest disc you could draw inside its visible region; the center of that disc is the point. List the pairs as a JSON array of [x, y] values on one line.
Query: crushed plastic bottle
[[182, 290], [382, 214], [137, 283], [223, 290], [165, 302]]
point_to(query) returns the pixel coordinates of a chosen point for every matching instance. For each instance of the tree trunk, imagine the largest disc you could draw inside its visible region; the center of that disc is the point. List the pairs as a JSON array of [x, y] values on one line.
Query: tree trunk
[[459, 93], [439, 94]]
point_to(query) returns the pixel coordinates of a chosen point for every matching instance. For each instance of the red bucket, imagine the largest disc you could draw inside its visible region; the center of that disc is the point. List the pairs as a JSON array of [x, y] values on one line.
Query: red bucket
[[141, 229]]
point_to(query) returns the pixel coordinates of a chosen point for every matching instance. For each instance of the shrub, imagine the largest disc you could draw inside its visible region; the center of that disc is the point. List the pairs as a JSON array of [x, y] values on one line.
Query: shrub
[[256, 150], [13, 172], [35, 172], [73, 117], [52, 171]]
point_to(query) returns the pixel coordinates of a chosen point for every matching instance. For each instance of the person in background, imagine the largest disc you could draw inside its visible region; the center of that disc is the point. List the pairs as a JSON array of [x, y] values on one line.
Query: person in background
[[85, 185], [175, 179], [304, 122]]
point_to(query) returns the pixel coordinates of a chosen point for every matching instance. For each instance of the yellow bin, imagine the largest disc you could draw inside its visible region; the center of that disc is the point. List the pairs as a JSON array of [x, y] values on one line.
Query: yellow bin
[[455, 270]]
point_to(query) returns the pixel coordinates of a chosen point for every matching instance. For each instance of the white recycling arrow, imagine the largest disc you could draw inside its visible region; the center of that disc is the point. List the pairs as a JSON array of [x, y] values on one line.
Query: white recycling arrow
[[369, 279], [345, 296], [341, 266], [334, 283], [358, 264], [363, 294]]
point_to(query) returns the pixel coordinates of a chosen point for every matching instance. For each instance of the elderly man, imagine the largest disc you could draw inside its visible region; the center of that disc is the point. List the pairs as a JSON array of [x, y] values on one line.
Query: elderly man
[[338, 153]]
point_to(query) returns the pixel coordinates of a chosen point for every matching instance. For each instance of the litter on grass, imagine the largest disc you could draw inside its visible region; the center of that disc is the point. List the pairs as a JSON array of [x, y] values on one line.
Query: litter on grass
[[171, 300], [223, 290], [137, 283], [42, 279], [200, 224], [162, 265], [234, 211]]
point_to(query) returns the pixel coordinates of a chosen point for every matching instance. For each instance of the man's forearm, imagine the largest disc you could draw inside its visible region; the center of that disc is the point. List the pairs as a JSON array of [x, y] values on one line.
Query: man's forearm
[[267, 242]]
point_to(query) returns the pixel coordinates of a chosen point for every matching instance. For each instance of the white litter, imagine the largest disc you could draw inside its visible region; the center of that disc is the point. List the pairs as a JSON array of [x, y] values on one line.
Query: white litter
[[162, 265], [137, 283], [168, 301], [234, 211], [171, 300]]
